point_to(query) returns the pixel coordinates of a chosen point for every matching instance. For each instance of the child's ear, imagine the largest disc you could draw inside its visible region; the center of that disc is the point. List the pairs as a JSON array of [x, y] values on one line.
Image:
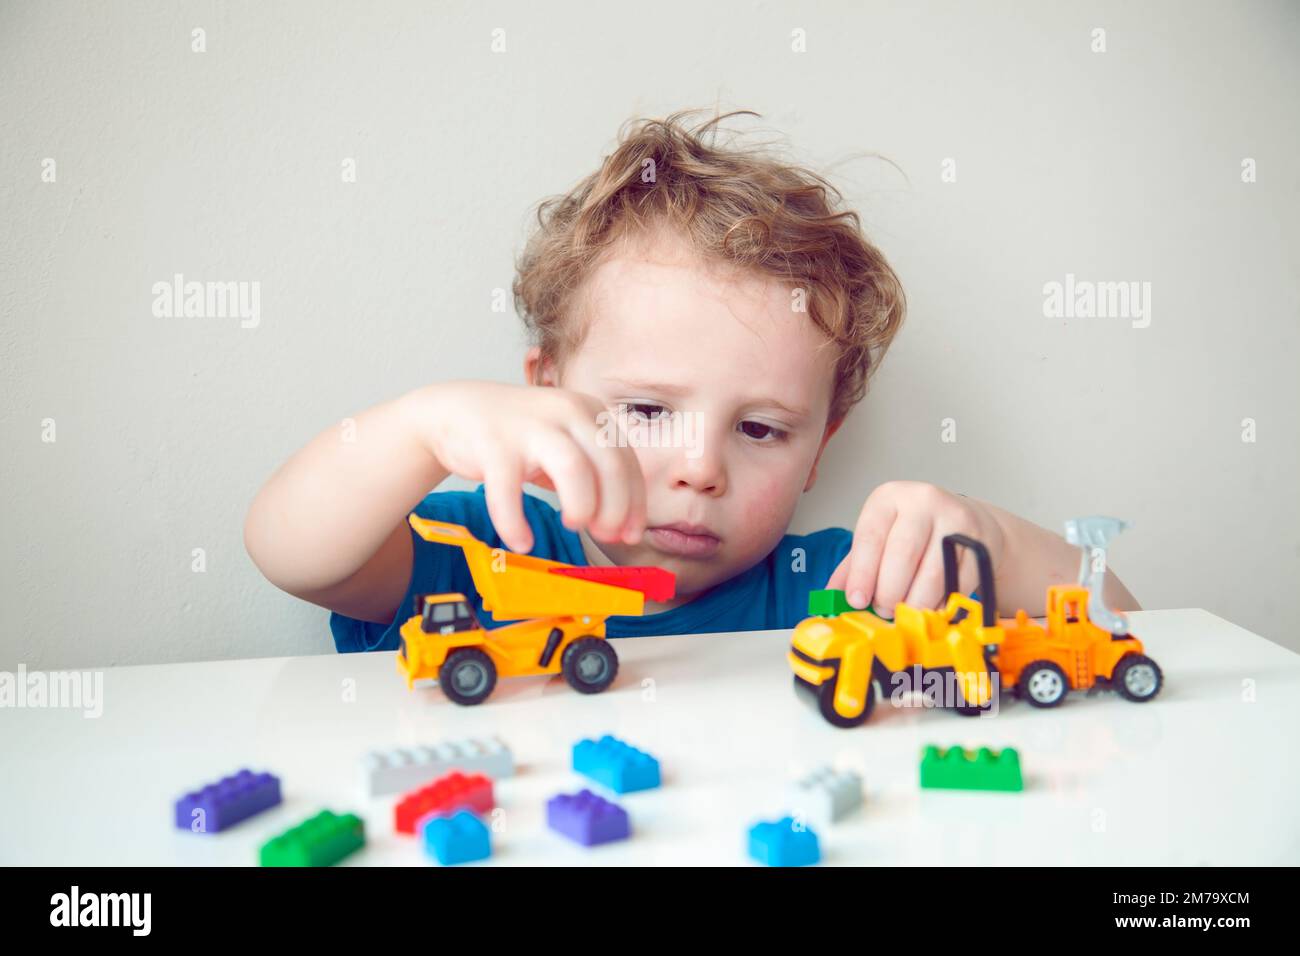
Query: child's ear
[[831, 429], [538, 370]]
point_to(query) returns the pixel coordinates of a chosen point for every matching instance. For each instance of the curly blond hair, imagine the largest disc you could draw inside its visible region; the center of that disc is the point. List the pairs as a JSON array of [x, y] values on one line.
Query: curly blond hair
[[742, 206]]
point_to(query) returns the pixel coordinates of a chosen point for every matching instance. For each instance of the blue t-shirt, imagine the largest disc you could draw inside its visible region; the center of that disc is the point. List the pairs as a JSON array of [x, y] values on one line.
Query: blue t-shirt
[[771, 594]]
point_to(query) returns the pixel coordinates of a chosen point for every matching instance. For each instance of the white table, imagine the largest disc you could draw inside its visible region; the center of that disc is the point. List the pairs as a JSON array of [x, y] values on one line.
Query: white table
[[1202, 775]]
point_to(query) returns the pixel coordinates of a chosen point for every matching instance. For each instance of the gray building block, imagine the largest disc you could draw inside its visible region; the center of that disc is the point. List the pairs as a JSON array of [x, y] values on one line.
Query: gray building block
[[825, 796], [405, 768]]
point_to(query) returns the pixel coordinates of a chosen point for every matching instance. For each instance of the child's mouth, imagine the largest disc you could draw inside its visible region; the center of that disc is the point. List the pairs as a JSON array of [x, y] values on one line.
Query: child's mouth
[[688, 541]]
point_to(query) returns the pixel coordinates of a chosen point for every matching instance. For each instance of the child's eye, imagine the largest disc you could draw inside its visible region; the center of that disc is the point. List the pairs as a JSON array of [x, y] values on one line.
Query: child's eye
[[761, 432], [642, 411]]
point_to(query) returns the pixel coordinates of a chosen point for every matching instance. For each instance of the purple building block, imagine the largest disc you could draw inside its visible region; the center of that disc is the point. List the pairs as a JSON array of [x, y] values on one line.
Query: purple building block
[[227, 802], [586, 818]]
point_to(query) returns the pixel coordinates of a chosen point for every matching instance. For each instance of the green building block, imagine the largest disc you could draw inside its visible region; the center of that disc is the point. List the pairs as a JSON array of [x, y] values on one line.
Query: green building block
[[322, 840], [829, 602], [958, 769]]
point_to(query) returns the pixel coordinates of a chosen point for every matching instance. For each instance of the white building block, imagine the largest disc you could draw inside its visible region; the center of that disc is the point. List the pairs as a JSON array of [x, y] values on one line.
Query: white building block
[[825, 796], [405, 768]]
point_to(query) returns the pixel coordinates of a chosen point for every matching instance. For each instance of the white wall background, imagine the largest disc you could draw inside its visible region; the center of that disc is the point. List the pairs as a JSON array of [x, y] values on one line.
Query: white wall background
[[226, 165]]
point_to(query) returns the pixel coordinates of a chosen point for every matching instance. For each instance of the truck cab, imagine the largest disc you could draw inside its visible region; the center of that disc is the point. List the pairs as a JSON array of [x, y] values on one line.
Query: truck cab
[[1067, 612], [446, 614], [443, 615]]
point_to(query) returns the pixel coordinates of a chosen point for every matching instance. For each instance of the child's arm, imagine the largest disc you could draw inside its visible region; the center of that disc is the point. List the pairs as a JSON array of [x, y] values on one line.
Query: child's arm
[[330, 525], [896, 553], [1033, 558]]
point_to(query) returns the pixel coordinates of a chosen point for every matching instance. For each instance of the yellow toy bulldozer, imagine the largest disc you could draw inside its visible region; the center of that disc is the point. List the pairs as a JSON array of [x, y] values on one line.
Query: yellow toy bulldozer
[[838, 658]]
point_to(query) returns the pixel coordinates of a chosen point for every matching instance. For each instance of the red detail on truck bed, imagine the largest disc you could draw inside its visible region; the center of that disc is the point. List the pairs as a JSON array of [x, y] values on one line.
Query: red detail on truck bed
[[655, 583]]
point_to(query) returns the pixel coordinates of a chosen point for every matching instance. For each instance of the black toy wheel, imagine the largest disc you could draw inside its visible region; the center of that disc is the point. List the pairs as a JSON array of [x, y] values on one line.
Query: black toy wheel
[[589, 665], [467, 676], [938, 697], [972, 710], [1043, 684], [826, 704], [1137, 678]]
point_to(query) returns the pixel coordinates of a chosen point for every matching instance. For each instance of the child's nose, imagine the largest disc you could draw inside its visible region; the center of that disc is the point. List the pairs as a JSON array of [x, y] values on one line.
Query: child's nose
[[704, 473]]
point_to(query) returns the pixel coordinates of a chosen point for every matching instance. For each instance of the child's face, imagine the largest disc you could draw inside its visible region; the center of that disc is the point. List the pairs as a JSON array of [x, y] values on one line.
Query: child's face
[[669, 333]]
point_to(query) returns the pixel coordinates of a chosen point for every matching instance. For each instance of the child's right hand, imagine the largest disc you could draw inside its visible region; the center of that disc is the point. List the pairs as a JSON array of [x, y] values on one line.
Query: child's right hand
[[506, 435]]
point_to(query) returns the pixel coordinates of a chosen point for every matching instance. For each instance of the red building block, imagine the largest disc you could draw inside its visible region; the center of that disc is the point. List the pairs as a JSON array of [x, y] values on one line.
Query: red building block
[[444, 796]]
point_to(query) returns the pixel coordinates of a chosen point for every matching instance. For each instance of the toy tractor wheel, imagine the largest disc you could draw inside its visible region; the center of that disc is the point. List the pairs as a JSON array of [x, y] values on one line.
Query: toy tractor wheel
[[1043, 684], [589, 665], [467, 676], [1137, 678], [826, 704]]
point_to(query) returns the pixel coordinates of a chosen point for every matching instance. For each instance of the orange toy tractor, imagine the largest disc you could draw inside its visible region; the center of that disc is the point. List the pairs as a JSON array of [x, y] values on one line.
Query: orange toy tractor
[[566, 606], [1084, 644]]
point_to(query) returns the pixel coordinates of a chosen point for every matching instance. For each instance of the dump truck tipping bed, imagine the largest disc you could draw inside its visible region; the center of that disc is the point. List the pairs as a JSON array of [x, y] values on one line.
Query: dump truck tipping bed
[[515, 586]]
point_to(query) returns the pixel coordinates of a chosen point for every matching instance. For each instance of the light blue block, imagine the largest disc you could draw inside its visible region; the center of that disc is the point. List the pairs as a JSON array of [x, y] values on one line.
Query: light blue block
[[616, 765], [460, 838], [783, 844]]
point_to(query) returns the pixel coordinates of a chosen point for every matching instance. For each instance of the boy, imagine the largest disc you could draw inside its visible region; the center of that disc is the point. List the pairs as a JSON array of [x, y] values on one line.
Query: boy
[[716, 290]]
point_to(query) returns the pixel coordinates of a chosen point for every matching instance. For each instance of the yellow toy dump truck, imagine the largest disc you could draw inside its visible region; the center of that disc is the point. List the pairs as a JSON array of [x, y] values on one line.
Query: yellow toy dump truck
[[838, 657], [565, 607]]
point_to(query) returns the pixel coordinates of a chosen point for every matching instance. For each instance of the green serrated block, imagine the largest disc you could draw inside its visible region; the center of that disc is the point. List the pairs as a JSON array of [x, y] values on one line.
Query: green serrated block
[[958, 769], [322, 840], [829, 602]]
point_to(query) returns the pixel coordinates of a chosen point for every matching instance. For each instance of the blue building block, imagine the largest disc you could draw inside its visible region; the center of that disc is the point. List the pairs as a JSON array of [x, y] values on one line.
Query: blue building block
[[615, 764], [587, 819], [221, 805], [459, 838], [783, 844]]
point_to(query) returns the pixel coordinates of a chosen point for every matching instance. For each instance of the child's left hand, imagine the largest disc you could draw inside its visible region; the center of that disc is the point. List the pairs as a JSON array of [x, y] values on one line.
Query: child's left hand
[[897, 553]]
